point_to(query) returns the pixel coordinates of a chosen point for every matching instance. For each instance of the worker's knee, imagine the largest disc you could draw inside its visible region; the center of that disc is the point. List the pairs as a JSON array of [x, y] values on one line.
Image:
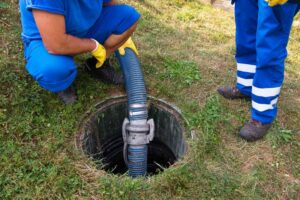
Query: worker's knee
[[130, 18], [117, 20], [52, 72], [56, 69]]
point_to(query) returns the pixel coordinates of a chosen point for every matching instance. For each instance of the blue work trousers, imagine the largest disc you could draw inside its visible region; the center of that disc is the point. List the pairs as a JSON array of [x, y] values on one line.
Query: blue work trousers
[[262, 34]]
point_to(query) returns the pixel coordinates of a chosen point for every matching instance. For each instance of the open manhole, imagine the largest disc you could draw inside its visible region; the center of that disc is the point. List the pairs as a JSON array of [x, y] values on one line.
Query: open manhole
[[100, 135]]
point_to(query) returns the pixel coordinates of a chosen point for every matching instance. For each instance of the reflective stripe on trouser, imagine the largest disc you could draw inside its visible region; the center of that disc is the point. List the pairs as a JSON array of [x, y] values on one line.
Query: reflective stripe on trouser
[[262, 34]]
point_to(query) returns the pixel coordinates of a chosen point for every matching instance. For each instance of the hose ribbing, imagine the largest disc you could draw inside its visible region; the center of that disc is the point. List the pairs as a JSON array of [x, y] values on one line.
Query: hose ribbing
[[137, 109]]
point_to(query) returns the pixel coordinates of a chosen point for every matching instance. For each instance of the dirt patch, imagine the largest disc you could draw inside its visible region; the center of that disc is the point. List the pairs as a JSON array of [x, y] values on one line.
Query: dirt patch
[[116, 91], [251, 155], [222, 4], [264, 156]]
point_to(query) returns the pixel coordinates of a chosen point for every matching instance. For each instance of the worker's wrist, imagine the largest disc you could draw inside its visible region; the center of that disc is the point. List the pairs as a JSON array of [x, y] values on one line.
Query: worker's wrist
[[99, 53], [96, 45]]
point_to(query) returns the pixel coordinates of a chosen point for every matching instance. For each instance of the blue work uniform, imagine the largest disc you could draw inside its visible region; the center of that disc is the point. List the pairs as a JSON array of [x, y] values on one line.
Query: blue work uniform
[[262, 34], [83, 19]]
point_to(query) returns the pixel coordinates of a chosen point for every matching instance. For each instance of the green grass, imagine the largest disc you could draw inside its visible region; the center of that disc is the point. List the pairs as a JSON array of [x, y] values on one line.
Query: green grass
[[184, 72], [186, 50]]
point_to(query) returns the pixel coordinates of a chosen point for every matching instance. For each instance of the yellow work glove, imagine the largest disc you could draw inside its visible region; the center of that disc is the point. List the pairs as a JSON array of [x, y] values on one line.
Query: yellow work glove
[[128, 44], [276, 2], [99, 53]]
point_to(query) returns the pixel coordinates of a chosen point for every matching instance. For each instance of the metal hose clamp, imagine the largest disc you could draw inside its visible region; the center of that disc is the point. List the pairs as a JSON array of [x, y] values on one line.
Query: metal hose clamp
[[137, 136]]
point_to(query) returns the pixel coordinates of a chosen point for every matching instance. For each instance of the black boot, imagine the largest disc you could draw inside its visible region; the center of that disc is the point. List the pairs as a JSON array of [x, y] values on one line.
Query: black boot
[[254, 130], [105, 73], [231, 92], [68, 96]]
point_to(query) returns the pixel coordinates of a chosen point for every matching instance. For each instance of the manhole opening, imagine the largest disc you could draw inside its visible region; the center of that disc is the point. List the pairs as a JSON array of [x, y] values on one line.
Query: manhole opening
[[100, 135]]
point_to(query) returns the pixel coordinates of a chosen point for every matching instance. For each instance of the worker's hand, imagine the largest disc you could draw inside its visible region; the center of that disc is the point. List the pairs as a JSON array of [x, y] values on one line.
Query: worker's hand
[[128, 44], [99, 53], [276, 2]]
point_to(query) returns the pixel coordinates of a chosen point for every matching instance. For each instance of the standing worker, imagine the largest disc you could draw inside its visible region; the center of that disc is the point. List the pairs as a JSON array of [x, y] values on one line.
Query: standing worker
[[56, 30], [262, 34]]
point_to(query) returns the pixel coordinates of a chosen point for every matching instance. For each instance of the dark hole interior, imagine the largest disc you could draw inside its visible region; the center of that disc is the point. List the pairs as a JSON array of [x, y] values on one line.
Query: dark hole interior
[[102, 136], [159, 156]]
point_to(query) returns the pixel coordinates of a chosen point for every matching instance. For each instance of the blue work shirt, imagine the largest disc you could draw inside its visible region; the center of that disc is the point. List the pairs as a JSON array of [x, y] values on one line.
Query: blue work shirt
[[80, 15]]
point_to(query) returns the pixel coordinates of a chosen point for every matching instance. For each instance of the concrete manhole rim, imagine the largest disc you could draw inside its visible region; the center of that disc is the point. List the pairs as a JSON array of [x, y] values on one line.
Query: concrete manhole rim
[[168, 107]]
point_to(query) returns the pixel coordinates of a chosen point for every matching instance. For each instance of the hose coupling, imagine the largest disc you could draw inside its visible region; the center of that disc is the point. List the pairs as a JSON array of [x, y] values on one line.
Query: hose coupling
[[138, 134]]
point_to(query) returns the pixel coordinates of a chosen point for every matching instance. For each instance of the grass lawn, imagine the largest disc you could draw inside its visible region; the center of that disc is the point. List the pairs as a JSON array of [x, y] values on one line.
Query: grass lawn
[[187, 51]]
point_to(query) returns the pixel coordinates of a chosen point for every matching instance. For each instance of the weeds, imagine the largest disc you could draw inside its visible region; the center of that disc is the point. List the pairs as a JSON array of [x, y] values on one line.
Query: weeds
[[207, 119], [182, 73]]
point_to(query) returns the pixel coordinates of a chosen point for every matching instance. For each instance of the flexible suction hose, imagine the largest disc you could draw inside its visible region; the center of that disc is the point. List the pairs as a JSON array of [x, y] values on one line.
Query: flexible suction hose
[[137, 131]]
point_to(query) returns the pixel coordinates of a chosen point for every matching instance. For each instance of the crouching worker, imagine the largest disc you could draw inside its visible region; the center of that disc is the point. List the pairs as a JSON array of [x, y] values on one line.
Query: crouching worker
[[54, 31], [262, 34]]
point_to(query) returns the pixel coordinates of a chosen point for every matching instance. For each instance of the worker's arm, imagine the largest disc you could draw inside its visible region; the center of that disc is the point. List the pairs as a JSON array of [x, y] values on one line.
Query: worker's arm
[[52, 28], [53, 32]]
